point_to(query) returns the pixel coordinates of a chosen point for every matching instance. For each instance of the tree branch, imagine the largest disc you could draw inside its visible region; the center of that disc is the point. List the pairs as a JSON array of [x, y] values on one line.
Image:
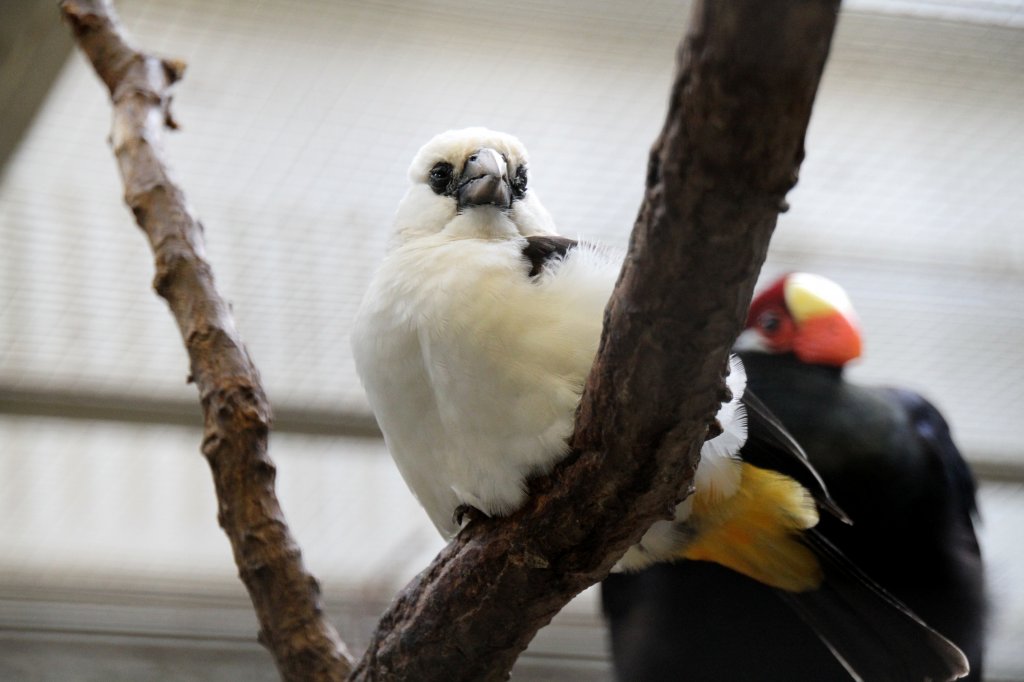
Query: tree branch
[[236, 412], [718, 175]]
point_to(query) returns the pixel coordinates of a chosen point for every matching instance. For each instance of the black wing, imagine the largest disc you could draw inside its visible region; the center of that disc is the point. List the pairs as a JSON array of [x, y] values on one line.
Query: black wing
[[873, 633], [541, 250], [770, 446], [933, 433]]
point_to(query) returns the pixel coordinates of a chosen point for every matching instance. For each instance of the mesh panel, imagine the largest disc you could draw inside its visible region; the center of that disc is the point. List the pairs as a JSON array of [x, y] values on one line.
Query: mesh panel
[[300, 118]]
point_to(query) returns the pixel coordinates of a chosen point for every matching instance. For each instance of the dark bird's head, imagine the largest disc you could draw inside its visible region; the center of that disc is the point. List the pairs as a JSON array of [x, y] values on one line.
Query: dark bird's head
[[471, 183], [807, 315]]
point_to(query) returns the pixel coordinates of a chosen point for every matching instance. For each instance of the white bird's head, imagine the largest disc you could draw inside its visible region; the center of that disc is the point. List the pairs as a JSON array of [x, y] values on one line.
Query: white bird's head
[[471, 183]]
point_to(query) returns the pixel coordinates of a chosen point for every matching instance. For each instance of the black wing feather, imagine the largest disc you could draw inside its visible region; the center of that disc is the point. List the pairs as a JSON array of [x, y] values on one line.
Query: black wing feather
[[541, 250], [770, 446], [933, 433], [867, 628]]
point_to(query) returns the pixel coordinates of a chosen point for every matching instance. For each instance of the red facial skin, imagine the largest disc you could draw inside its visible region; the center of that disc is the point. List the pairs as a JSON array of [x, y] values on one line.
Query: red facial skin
[[830, 339]]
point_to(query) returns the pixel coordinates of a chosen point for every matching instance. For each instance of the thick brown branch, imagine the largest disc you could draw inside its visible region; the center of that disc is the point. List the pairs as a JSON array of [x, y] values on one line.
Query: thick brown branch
[[237, 414], [729, 152]]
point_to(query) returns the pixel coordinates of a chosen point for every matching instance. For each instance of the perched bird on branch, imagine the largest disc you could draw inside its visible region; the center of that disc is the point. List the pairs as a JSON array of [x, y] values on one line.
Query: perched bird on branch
[[474, 340], [888, 459], [477, 333]]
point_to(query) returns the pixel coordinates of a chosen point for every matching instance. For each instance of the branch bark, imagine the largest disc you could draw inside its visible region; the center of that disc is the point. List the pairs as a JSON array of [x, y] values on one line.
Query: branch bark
[[718, 174], [236, 412]]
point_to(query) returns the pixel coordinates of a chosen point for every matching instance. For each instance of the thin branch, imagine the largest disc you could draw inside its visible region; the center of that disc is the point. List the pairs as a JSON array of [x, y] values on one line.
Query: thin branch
[[236, 412], [718, 175]]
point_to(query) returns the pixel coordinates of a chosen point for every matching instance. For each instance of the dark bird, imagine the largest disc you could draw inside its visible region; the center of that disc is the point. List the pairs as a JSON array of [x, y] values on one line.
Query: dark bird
[[887, 457]]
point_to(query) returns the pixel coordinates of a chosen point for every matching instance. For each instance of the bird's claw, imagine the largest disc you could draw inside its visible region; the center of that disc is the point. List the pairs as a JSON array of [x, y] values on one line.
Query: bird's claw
[[465, 514]]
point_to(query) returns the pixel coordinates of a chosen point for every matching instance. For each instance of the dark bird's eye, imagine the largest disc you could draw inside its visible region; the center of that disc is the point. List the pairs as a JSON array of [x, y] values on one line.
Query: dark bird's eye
[[769, 321], [519, 182], [440, 177]]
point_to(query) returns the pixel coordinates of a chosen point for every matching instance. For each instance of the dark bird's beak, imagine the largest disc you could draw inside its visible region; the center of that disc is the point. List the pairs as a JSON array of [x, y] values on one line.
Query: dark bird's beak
[[485, 181]]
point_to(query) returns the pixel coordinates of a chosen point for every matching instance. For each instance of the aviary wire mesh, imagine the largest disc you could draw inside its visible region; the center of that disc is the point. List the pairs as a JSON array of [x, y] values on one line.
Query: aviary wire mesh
[[299, 120]]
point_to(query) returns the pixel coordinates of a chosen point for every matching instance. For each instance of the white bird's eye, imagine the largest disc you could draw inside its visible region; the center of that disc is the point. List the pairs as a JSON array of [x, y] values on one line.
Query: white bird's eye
[[440, 177], [519, 183]]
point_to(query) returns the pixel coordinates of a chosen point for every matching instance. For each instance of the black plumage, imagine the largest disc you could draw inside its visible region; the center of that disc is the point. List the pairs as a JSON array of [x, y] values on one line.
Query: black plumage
[[890, 462], [542, 249], [891, 465]]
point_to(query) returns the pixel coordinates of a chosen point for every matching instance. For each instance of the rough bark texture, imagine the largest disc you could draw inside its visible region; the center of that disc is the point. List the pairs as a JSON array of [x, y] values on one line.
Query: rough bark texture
[[718, 175], [236, 412]]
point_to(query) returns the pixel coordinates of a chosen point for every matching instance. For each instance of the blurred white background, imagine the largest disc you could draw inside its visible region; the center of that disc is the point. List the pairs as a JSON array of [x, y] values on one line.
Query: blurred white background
[[299, 119]]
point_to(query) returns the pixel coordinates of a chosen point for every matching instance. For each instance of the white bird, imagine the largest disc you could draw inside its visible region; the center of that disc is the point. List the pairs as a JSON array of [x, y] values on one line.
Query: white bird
[[476, 335], [473, 342]]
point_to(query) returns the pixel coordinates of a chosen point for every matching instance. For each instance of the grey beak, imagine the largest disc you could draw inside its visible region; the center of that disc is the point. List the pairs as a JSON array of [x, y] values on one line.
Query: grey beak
[[485, 180]]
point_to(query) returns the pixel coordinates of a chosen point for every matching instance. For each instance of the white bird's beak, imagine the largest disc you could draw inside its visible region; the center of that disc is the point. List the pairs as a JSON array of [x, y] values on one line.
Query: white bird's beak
[[485, 181]]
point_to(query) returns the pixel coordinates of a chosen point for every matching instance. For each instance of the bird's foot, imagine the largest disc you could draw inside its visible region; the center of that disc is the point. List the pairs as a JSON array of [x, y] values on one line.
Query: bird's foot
[[465, 514]]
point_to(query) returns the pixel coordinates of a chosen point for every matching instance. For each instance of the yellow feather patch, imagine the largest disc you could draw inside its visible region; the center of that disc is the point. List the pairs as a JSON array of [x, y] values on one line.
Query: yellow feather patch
[[756, 531]]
